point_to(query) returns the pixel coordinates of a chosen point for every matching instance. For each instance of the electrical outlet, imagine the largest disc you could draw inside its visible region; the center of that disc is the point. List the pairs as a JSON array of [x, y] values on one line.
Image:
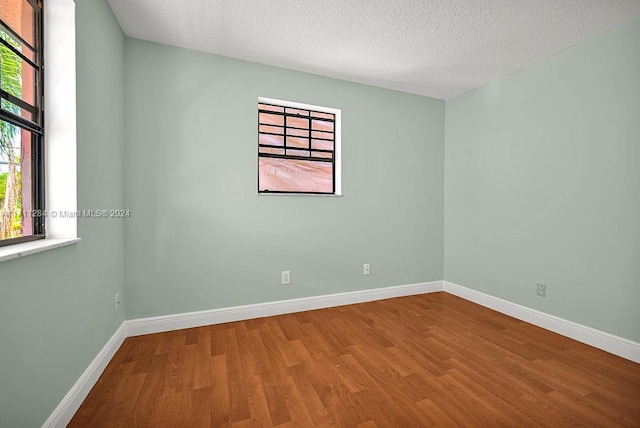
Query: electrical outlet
[[286, 277], [366, 269], [116, 302], [542, 290]]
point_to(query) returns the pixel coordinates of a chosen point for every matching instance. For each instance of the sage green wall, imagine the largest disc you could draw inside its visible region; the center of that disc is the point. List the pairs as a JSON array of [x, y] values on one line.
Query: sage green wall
[[200, 236], [543, 184], [56, 307]]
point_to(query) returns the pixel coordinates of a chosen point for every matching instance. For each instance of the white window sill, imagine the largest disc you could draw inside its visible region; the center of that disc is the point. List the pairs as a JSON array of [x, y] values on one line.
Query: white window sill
[[26, 248]]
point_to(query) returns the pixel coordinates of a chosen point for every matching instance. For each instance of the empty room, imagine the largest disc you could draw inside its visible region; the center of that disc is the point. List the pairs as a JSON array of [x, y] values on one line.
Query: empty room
[[355, 213]]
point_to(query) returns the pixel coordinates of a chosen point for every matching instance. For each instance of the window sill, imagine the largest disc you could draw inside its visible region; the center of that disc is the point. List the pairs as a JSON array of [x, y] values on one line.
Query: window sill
[[20, 250]]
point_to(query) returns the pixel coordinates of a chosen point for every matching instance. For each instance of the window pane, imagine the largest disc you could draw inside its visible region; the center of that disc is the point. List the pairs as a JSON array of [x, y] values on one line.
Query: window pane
[[273, 129], [297, 122], [11, 107], [270, 108], [327, 155], [298, 132], [319, 115], [272, 140], [298, 152], [272, 150], [297, 142], [271, 119], [18, 76], [19, 16], [15, 181], [322, 144], [321, 125], [297, 111], [320, 134], [21, 47], [289, 175]]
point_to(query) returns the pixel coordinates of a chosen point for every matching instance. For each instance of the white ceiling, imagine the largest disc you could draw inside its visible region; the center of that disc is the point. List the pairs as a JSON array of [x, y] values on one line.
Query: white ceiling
[[437, 48]]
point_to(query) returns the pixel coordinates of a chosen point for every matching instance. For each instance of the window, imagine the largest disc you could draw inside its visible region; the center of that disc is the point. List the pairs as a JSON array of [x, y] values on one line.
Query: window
[[60, 172], [21, 122], [298, 148]]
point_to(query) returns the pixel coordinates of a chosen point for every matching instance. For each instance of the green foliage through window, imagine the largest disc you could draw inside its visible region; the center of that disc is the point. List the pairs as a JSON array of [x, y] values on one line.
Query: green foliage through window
[[11, 203]]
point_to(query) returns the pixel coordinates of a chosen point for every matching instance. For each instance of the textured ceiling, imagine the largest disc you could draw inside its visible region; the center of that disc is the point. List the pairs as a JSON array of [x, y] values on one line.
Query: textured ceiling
[[437, 48]]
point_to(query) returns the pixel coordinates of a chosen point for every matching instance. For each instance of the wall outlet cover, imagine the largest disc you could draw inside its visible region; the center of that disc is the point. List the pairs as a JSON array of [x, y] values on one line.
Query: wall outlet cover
[[542, 290], [286, 277], [366, 269]]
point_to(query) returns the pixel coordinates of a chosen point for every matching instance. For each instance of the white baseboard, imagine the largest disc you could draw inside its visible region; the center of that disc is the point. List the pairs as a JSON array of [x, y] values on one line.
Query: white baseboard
[[71, 402], [137, 327], [613, 344]]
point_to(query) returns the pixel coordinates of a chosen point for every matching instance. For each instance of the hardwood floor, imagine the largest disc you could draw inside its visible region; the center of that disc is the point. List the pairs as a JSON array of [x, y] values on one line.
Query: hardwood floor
[[427, 360]]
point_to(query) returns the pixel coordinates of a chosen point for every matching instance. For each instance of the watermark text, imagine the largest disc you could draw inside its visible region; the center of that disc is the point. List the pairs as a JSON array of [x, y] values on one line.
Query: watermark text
[[100, 213]]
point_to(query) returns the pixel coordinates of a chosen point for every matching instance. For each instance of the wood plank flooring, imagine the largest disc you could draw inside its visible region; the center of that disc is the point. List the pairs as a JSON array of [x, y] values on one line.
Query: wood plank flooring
[[419, 361]]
